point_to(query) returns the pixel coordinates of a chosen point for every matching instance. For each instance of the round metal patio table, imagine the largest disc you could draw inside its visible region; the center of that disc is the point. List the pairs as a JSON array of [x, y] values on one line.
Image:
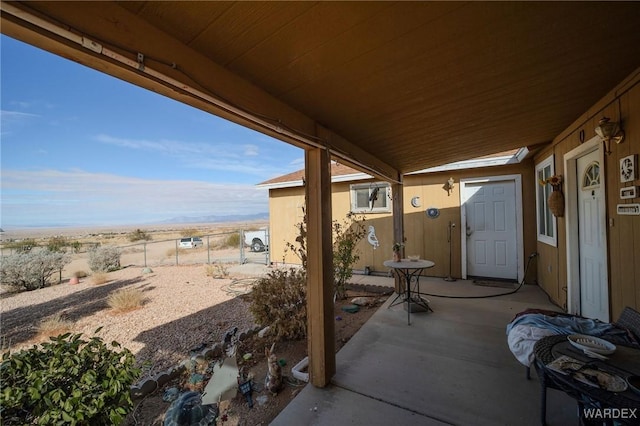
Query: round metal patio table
[[407, 270]]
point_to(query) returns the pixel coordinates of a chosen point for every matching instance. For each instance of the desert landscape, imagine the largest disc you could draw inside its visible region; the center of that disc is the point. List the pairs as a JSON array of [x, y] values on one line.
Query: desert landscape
[[186, 307], [161, 249]]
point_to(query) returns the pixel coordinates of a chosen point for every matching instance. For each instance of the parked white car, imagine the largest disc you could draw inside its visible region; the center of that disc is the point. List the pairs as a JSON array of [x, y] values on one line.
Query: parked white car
[[257, 240], [191, 242]]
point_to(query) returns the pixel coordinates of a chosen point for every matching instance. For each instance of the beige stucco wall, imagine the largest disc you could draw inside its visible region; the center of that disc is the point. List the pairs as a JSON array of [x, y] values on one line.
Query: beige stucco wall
[[425, 237]]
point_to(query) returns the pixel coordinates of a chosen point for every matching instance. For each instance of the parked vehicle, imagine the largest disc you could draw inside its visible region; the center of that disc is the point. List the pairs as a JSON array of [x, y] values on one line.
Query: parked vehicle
[[257, 240], [191, 242]]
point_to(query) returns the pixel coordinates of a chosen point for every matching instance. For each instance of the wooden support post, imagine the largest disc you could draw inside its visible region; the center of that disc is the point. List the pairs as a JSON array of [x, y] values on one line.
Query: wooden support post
[[398, 223], [320, 327]]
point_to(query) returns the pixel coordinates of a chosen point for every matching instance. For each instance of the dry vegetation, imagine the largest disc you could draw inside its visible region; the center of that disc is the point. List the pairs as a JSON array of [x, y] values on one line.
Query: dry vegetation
[[182, 308], [126, 300], [99, 278], [54, 325]]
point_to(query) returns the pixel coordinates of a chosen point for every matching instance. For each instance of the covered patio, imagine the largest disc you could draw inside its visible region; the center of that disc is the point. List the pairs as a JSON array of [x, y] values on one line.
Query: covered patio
[[388, 88], [450, 366]]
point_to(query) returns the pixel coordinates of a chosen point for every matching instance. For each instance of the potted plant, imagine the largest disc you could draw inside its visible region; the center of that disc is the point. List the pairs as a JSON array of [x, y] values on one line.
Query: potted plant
[[396, 251]]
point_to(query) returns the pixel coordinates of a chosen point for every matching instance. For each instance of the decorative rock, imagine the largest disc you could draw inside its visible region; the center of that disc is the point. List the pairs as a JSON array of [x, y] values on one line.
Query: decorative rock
[[264, 332], [148, 386], [201, 361], [217, 350], [208, 353], [196, 382], [242, 336], [262, 399], [136, 392], [147, 271], [188, 409], [249, 332], [170, 394], [188, 364], [161, 378], [194, 351], [175, 371], [247, 356], [361, 301]]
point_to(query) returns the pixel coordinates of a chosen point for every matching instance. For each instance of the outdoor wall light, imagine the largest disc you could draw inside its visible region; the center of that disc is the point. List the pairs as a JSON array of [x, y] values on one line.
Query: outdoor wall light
[[609, 131]]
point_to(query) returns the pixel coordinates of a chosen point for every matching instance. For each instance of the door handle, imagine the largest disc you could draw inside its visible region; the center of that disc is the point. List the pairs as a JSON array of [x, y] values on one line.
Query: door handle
[[469, 231]]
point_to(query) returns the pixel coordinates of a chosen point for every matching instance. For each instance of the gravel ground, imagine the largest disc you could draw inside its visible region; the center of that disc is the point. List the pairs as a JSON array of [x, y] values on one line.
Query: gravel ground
[[184, 308]]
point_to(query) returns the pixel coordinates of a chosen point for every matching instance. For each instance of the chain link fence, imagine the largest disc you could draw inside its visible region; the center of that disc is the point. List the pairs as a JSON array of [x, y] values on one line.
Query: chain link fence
[[237, 247]]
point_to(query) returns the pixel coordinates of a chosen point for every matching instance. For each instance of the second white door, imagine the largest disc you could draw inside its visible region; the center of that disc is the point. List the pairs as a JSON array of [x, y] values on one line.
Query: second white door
[[491, 229]]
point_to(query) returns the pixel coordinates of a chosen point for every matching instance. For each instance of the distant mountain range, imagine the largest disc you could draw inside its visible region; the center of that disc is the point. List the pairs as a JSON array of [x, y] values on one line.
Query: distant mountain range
[[217, 219]]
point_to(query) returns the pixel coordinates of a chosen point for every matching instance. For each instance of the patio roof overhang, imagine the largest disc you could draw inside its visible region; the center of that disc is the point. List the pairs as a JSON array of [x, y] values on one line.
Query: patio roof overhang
[[388, 88], [399, 87]]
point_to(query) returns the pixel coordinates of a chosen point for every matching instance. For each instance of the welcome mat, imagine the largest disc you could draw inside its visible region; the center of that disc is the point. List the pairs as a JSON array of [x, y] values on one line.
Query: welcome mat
[[493, 283]]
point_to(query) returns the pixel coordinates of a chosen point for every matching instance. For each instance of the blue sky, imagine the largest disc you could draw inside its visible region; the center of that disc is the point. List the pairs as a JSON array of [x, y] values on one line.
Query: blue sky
[[83, 148]]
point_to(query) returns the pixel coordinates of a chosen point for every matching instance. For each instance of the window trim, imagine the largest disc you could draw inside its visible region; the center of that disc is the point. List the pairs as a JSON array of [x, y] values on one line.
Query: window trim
[[353, 199], [543, 203]]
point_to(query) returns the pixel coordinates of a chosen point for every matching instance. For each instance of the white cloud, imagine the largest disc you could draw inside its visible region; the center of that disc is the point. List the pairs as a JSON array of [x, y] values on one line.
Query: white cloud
[[9, 117], [230, 158], [51, 197], [251, 150]]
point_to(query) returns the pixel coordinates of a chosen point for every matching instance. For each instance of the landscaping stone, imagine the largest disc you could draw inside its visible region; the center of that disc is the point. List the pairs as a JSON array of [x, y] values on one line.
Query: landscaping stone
[[264, 332]]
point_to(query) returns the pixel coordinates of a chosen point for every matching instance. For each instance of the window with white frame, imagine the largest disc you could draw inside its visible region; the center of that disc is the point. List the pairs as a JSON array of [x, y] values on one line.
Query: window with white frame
[[547, 231], [374, 197]]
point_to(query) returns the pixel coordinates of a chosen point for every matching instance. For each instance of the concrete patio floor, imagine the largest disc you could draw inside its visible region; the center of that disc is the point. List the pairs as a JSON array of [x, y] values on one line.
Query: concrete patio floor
[[450, 366]]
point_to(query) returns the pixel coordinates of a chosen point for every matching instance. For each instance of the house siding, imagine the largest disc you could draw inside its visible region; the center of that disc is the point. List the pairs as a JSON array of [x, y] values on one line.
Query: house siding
[[425, 237], [623, 232]]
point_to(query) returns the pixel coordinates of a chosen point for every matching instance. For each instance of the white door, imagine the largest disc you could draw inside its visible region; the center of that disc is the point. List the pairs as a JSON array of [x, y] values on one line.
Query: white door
[[594, 296], [491, 229]]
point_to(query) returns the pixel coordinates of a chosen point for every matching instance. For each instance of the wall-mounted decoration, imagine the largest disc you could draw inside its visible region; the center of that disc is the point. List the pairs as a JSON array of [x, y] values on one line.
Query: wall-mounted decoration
[[628, 209], [415, 201], [449, 185], [432, 212], [628, 168], [628, 192], [371, 237], [556, 198]]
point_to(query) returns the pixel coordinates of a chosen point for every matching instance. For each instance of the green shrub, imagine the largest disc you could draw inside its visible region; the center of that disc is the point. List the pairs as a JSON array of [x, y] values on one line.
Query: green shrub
[[104, 259], [23, 245], [67, 381], [31, 270], [139, 235], [190, 232], [76, 246], [279, 300], [346, 236], [231, 241], [57, 243]]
